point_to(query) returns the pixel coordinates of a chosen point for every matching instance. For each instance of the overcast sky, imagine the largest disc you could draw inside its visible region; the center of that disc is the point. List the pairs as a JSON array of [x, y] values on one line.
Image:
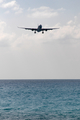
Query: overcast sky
[[52, 55]]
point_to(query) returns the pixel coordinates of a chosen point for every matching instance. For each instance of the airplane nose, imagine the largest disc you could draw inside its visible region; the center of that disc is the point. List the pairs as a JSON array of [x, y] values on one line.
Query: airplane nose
[[40, 26]]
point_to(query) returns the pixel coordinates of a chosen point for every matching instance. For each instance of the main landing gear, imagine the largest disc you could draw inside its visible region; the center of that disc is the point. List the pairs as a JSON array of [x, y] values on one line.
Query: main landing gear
[[35, 32]]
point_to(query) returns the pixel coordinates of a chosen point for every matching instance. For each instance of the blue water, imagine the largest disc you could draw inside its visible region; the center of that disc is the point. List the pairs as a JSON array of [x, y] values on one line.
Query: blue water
[[39, 100]]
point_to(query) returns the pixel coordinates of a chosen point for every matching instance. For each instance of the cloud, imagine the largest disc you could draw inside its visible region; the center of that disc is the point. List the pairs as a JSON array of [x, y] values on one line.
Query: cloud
[[61, 9], [6, 39], [1, 1], [26, 41], [7, 12], [71, 30], [9, 4], [43, 11], [13, 4]]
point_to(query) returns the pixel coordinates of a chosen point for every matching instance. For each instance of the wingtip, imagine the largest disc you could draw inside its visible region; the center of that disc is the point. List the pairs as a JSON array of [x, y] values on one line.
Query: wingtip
[[19, 27]]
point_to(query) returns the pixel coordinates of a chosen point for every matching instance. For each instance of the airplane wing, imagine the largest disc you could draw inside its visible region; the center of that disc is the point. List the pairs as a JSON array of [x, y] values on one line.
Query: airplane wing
[[33, 29], [45, 29]]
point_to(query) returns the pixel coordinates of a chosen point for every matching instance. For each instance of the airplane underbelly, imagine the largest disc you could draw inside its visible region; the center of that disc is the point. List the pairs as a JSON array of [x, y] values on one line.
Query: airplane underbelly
[[39, 30]]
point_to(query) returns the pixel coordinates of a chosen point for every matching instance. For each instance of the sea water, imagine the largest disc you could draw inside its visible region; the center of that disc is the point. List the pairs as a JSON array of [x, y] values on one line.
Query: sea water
[[39, 100]]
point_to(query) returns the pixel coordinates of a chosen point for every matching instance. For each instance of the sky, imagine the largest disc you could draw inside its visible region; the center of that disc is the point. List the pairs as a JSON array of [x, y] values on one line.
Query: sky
[[52, 55]]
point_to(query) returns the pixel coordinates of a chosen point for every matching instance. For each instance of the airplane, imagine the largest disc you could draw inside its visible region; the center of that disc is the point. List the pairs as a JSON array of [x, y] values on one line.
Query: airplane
[[38, 29]]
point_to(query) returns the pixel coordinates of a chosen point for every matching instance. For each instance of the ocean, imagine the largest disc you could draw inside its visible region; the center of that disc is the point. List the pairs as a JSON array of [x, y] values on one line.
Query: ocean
[[39, 99]]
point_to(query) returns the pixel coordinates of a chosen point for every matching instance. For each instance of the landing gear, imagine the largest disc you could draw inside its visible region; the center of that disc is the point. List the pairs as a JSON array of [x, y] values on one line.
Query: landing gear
[[35, 32], [42, 32]]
